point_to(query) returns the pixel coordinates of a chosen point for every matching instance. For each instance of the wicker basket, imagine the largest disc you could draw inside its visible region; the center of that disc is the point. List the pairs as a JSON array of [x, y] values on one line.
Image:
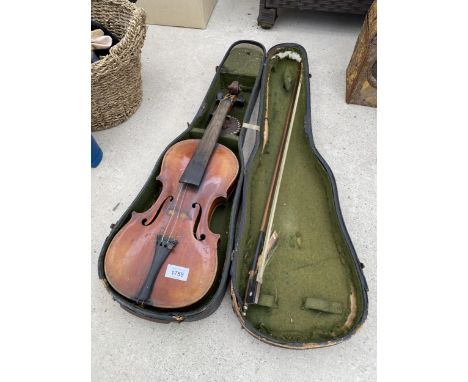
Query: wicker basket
[[116, 86]]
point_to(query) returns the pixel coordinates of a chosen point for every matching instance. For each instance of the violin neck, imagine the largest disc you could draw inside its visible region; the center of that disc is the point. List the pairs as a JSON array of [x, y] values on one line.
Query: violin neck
[[195, 170]]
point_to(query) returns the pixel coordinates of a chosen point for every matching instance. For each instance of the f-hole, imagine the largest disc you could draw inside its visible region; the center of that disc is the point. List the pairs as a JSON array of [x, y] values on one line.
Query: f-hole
[[197, 222], [147, 222]]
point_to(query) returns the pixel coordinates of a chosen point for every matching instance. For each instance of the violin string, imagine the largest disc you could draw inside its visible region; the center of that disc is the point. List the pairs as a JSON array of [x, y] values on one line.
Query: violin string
[[178, 213], [168, 208], [172, 205], [181, 186], [179, 209]]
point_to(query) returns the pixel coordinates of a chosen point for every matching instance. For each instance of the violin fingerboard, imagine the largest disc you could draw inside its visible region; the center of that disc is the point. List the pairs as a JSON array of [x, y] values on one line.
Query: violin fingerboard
[[195, 170]]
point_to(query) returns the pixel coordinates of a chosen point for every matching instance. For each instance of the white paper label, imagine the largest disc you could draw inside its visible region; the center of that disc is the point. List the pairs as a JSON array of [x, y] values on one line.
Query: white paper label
[[176, 272]]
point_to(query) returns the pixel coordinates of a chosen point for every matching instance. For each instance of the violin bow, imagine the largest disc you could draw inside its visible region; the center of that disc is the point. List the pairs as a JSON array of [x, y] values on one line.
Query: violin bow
[[263, 251]]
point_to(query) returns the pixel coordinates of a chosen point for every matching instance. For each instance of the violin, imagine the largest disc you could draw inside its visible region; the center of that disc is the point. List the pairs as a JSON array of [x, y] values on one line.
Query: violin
[[166, 257]]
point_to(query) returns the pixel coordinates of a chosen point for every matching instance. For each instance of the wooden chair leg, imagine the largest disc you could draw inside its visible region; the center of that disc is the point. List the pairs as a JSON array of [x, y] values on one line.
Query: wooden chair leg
[[266, 16]]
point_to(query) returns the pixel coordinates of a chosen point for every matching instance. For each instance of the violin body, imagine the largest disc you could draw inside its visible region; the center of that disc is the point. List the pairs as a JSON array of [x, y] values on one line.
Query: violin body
[[167, 257], [175, 232]]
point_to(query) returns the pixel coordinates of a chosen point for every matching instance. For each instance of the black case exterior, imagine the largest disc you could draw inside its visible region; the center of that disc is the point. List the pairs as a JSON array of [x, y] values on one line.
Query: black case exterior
[[210, 306], [236, 298], [237, 219]]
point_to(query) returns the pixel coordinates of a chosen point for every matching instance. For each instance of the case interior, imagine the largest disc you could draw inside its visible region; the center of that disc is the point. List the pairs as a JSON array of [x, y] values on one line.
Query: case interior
[[243, 62], [313, 283], [312, 289]]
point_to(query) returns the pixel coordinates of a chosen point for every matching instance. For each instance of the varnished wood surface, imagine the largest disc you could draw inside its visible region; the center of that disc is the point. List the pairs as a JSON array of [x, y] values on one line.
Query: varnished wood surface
[[130, 253]]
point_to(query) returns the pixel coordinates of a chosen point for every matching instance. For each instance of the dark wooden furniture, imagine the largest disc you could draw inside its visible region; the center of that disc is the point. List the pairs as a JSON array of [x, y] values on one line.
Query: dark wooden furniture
[[361, 74], [268, 11]]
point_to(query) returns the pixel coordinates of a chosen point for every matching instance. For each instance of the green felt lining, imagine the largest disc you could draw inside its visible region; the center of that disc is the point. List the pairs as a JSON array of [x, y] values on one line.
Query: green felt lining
[[313, 259]]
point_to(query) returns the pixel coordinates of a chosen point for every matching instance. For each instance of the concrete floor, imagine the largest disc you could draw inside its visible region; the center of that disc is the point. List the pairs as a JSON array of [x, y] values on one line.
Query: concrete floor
[[178, 65]]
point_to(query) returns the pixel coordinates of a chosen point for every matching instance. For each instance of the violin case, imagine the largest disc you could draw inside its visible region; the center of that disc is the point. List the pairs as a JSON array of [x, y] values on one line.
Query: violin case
[[314, 292]]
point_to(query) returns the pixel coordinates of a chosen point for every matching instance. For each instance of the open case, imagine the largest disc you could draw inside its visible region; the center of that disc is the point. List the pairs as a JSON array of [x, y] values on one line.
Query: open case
[[313, 292]]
